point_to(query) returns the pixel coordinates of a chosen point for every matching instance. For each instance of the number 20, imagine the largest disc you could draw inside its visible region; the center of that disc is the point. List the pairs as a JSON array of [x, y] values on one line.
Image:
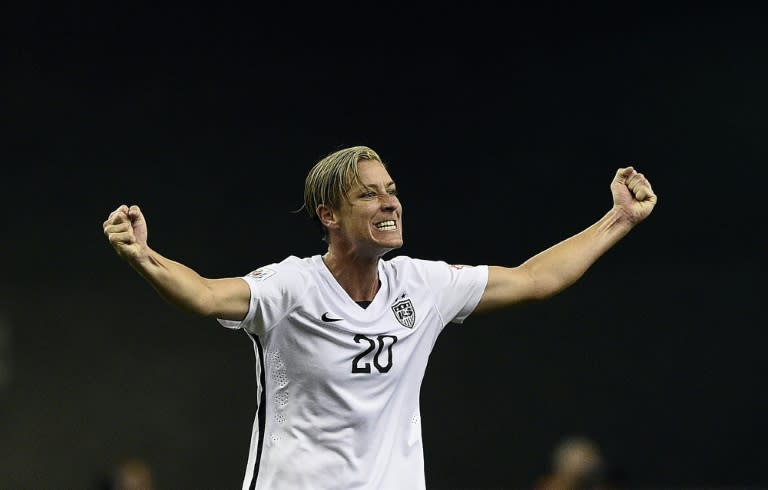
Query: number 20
[[366, 366]]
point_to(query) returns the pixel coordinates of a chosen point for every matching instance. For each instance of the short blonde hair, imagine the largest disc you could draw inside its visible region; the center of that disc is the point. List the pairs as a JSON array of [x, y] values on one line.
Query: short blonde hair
[[329, 179]]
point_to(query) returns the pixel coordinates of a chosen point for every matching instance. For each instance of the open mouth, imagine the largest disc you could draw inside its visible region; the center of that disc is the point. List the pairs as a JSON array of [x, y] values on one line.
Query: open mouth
[[388, 225]]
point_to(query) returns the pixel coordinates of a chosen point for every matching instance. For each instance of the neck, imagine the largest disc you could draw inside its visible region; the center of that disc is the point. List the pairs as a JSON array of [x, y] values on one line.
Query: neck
[[358, 276]]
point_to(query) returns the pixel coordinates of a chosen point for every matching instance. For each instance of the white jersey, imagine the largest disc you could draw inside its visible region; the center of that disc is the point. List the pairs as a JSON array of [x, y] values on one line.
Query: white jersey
[[342, 382]]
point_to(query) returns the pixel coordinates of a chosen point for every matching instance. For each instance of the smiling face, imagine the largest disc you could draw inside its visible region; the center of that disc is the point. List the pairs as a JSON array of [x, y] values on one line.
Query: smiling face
[[369, 220]]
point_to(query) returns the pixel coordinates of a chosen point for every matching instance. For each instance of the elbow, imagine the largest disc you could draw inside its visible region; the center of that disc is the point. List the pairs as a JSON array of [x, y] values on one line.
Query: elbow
[[553, 286], [203, 303], [547, 285]]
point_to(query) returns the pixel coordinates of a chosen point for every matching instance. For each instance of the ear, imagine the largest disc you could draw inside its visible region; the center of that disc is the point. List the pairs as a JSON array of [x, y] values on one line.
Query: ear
[[326, 216]]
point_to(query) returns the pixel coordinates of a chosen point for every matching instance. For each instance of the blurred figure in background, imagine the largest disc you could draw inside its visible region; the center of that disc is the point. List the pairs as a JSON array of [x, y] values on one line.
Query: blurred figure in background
[[129, 474], [577, 464]]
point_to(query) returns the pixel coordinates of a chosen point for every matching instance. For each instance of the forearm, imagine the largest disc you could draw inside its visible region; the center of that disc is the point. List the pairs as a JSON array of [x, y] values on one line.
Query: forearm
[[175, 282], [556, 268], [559, 266]]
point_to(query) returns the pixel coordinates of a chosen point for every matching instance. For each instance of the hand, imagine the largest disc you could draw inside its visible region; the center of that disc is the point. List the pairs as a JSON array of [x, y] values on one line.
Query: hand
[[632, 194], [126, 230]]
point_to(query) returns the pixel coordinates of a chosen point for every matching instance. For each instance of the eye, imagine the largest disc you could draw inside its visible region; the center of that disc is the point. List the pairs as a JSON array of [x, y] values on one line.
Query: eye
[[368, 194], [392, 192]]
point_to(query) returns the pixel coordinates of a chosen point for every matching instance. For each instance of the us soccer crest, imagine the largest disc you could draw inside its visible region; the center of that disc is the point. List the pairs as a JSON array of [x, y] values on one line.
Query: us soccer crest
[[404, 313]]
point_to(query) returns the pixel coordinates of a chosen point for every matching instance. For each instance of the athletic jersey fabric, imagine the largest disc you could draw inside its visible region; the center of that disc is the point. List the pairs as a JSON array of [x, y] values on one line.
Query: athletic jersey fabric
[[342, 382]]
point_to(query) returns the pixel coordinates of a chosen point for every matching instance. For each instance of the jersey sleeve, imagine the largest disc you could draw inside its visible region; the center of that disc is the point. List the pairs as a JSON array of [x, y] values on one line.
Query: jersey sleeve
[[275, 290], [457, 288]]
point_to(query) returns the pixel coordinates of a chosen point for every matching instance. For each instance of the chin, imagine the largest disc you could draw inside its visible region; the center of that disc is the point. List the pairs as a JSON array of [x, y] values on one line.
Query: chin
[[396, 244], [389, 245]]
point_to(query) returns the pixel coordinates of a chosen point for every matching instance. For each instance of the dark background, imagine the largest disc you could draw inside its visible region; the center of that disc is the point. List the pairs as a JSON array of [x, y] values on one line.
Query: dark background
[[503, 125]]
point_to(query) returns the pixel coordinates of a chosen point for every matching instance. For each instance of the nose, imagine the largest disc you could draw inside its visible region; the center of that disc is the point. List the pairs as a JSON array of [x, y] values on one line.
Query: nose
[[389, 202]]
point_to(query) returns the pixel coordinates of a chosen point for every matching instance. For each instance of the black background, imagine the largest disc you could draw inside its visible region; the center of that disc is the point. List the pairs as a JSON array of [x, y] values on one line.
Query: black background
[[503, 125]]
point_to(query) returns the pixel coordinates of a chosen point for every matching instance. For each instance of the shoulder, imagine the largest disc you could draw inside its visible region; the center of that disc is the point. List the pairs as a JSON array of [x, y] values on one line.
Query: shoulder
[[292, 269], [434, 272], [408, 261], [402, 262], [411, 268]]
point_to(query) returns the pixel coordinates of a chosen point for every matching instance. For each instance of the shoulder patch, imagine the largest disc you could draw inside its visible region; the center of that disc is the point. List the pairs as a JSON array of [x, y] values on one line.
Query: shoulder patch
[[262, 273]]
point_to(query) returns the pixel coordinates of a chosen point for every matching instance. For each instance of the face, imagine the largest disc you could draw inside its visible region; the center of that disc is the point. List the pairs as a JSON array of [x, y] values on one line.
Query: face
[[371, 221]]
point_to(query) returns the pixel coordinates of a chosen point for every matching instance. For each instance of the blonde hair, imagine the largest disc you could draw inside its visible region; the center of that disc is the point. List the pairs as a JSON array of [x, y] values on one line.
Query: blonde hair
[[329, 179]]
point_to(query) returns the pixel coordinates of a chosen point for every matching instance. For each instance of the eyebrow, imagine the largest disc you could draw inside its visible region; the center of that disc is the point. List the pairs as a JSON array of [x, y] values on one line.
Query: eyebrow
[[389, 184]]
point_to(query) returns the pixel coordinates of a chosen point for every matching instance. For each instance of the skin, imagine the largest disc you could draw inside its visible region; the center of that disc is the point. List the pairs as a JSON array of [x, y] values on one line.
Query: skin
[[551, 271], [356, 245]]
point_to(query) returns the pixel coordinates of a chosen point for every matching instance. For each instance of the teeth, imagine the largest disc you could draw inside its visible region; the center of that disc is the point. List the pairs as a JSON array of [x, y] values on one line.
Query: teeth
[[388, 225]]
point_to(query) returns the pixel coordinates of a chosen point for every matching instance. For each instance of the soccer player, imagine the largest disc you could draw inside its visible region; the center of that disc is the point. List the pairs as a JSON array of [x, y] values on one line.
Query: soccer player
[[343, 338]]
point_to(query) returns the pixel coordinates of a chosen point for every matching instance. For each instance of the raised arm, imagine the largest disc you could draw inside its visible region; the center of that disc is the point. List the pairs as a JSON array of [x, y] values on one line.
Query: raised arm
[[227, 298], [551, 271]]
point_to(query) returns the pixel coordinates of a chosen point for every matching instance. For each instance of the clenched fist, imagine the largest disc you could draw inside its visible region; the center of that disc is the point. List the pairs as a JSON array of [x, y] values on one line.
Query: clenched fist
[[126, 230], [632, 194]]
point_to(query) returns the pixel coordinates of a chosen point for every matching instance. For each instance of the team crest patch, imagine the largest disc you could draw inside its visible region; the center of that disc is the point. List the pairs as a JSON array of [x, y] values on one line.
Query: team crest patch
[[262, 273], [405, 313]]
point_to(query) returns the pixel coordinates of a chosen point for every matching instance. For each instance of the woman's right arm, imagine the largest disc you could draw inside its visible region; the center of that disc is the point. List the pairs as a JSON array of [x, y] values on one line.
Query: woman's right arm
[[176, 283]]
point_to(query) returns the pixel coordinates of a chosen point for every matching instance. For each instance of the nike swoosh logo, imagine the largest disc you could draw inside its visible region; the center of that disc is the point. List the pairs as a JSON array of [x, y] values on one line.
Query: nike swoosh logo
[[326, 318]]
